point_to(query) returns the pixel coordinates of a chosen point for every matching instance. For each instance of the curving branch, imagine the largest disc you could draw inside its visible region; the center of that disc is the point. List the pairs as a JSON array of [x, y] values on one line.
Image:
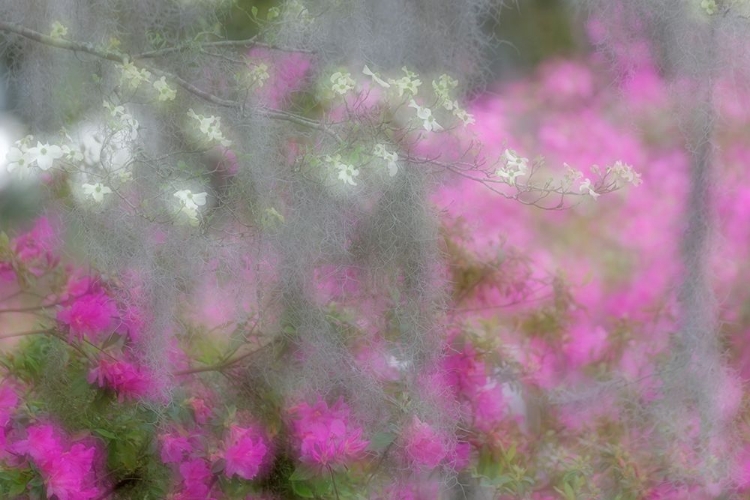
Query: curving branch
[[121, 58]]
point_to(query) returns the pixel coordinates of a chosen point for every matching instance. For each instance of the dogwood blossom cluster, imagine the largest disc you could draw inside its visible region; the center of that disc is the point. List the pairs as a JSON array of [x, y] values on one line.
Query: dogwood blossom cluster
[[345, 172], [96, 191], [22, 157], [514, 166], [189, 203], [166, 93], [390, 157], [59, 31], [342, 82], [258, 75], [211, 127], [429, 122], [709, 6], [134, 76], [409, 83], [124, 119]]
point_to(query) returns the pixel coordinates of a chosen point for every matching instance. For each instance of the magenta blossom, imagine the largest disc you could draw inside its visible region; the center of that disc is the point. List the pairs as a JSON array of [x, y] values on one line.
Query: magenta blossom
[[424, 447], [245, 451], [326, 436], [89, 315], [37, 248], [68, 475], [195, 476], [175, 448], [129, 381]]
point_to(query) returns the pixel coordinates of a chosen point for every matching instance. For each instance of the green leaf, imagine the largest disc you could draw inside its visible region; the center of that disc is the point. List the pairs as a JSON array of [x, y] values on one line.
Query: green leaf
[[303, 489], [381, 440], [105, 433], [302, 473], [254, 10]]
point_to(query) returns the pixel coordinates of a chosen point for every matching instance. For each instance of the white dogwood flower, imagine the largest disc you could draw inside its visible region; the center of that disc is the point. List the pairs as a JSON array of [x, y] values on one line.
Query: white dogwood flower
[[375, 78], [96, 191], [166, 93], [391, 158], [425, 114], [17, 159], [586, 186], [44, 154], [190, 199], [342, 82]]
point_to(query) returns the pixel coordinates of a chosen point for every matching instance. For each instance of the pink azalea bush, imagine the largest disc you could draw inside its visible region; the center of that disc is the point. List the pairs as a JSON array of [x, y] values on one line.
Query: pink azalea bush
[[291, 331]]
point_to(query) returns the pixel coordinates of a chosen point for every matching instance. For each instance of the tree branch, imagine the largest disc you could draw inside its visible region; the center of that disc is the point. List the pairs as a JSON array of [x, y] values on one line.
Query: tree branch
[[122, 59]]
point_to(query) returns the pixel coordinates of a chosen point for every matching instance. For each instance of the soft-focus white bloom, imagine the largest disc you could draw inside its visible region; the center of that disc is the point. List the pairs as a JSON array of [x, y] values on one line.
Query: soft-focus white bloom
[[96, 191], [462, 115], [125, 176], [128, 121], [211, 126], [72, 154], [710, 7], [425, 114], [189, 203], [586, 186], [409, 83], [190, 199], [515, 166], [44, 154], [347, 173], [342, 82], [443, 88], [17, 159], [258, 74], [58, 30], [133, 75], [166, 93], [375, 78], [114, 110], [391, 158], [626, 173]]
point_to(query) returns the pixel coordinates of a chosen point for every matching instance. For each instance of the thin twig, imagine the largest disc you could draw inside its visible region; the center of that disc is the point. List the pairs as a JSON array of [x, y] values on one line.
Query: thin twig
[[122, 59], [250, 42]]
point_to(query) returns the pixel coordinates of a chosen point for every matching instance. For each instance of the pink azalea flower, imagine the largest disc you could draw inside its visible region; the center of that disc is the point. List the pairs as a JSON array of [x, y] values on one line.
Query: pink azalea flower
[[129, 381], [174, 448], [326, 436], [37, 248], [423, 445], [201, 411], [70, 476], [42, 444], [195, 476], [7, 273], [89, 315], [245, 452]]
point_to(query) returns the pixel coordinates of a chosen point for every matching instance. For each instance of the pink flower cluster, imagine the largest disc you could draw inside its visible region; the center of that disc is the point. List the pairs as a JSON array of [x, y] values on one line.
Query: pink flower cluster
[[68, 472], [326, 436], [467, 375], [90, 312], [245, 452], [37, 249], [128, 380], [185, 450]]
